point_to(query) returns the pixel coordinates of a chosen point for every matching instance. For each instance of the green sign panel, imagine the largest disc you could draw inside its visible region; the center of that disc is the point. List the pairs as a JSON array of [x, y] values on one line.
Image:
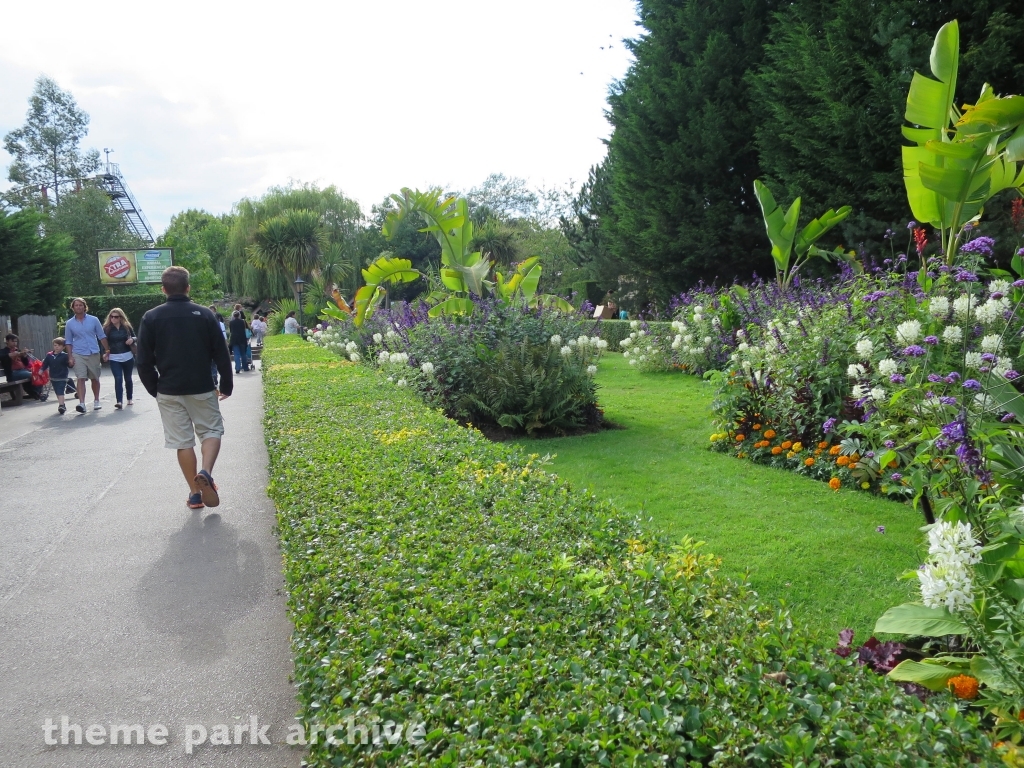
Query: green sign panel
[[150, 264]]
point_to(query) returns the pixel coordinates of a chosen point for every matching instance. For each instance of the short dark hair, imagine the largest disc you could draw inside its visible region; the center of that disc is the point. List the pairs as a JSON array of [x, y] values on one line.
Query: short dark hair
[[292, 313], [11, 336], [174, 280]]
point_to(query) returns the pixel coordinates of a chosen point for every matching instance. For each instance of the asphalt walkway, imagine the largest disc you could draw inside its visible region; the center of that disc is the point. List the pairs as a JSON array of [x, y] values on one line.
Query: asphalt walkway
[[121, 607]]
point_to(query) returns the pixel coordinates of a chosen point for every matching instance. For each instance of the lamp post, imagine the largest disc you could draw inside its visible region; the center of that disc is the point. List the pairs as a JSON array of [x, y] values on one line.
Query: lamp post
[[300, 284]]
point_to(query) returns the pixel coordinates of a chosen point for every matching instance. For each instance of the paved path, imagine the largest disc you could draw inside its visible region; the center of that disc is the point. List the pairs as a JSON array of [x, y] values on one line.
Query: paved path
[[119, 606]]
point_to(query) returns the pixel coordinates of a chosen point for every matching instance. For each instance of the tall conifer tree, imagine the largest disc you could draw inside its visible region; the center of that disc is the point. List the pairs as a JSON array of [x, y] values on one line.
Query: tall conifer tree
[[682, 158]]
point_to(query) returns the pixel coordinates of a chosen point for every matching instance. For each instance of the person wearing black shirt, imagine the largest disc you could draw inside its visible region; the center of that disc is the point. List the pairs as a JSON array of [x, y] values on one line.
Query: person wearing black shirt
[[239, 344], [178, 342]]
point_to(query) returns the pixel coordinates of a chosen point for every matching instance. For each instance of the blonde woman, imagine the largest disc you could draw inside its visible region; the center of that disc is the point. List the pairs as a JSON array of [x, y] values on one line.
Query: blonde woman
[[121, 341]]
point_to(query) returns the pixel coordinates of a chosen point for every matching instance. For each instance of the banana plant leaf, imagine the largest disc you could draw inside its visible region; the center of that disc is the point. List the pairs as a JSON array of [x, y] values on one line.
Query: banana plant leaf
[[452, 279], [388, 269], [474, 273], [818, 227], [932, 675], [367, 299], [452, 306], [916, 619], [552, 301], [781, 227]]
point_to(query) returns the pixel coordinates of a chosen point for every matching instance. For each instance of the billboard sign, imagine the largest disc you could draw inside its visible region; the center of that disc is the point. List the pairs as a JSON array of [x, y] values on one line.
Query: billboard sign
[[120, 267]]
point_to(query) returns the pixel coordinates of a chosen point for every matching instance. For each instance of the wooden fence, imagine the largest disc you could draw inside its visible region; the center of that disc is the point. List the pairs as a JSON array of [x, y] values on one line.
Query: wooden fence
[[35, 332]]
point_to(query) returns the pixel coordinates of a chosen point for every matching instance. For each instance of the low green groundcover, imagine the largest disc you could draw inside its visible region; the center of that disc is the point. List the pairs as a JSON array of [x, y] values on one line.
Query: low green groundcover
[[449, 585]]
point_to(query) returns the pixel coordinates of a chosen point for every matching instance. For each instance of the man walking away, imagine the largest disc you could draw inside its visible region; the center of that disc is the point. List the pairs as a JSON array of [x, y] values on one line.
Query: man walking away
[[83, 336], [178, 343]]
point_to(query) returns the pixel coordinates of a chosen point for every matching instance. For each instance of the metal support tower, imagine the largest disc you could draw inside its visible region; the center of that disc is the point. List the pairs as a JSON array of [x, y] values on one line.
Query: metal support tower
[[113, 183]]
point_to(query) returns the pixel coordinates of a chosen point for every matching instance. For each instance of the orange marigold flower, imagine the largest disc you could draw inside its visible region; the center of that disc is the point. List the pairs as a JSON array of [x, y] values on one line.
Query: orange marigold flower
[[769, 433], [964, 686], [823, 444], [855, 458], [757, 427], [893, 464], [741, 455], [834, 483], [842, 461], [835, 449], [740, 437], [787, 445], [808, 462], [776, 451]]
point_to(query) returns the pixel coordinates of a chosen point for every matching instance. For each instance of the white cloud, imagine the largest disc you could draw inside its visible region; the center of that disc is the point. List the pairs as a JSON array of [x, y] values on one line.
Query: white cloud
[[207, 102]]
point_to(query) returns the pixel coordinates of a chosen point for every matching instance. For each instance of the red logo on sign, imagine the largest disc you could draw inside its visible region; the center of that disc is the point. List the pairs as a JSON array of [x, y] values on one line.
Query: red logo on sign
[[117, 267]]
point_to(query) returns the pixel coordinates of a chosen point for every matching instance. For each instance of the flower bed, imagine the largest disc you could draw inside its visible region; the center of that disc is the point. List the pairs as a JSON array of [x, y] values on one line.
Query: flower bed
[[438, 577]]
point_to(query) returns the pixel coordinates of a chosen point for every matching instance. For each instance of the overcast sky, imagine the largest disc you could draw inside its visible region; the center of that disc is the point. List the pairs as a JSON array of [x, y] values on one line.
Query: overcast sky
[[208, 102]]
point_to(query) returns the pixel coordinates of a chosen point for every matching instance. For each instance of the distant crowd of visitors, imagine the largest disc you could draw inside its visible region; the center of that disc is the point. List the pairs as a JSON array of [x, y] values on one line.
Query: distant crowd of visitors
[[77, 357]]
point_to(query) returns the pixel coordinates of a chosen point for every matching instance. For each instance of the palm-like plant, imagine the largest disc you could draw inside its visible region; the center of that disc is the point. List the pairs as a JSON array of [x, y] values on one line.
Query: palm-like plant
[[292, 242]]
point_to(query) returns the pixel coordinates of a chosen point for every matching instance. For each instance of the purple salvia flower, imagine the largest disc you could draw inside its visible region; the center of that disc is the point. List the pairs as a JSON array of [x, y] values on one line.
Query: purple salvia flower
[[933, 340], [913, 351], [898, 378], [1006, 417], [890, 444], [895, 477], [947, 400], [829, 425], [880, 529], [934, 378], [972, 384], [1011, 375]]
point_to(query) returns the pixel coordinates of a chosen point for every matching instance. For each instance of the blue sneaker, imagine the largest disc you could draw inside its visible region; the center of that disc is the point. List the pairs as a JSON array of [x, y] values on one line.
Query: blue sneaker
[[195, 501]]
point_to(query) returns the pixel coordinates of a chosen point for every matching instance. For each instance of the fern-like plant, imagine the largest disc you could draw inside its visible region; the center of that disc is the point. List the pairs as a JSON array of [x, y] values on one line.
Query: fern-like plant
[[529, 387]]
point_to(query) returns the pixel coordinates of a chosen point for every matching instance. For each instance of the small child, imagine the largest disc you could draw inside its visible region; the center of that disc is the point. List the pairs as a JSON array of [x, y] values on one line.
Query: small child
[[56, 362]]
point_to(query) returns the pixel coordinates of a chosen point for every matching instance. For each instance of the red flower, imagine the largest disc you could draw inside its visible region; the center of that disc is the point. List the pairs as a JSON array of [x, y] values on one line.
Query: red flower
[[920, 239]]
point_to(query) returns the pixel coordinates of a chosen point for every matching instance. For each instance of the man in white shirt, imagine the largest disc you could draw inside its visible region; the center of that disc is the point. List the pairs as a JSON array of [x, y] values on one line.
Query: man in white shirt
[[83, 336]]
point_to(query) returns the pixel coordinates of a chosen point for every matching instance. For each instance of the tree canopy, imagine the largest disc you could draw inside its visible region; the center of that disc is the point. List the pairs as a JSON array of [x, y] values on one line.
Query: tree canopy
[[36, 267], [199, 240], [807, 95], [46, 150], [91, 222], [339, 217]]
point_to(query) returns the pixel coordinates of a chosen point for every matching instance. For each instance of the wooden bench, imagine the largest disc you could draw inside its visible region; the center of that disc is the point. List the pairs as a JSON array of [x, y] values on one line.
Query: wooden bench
[[17, 390]]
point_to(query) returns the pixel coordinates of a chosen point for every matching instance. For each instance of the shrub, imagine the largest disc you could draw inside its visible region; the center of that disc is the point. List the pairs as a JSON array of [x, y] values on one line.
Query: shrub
[[435, 575], [135, 305], [519, 368]]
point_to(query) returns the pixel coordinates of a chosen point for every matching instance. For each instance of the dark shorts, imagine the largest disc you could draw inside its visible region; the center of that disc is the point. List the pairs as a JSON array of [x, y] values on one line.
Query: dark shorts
[[59, 385]]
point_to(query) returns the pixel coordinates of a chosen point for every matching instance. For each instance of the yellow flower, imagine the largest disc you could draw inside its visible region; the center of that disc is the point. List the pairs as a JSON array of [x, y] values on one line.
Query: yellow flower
[[865, 485], [797, 447]]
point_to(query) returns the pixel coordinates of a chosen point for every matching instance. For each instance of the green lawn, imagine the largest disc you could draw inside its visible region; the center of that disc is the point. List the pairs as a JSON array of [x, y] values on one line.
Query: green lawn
[[802, 543]]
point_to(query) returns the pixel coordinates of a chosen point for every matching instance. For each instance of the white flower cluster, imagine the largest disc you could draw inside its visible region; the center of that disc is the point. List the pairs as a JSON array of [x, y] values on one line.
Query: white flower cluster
[[946, 580], [864, 349], [887, 367], [938, 307], [992, 310], [908, 331], [330, 338], [953, 334], [962, 306]]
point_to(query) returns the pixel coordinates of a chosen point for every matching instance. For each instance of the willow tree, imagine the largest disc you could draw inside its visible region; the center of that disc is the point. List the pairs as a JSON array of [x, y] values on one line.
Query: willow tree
[[340, 221]]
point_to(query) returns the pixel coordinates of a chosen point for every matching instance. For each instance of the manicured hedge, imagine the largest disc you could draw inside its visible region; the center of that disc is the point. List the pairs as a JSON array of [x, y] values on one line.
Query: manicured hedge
[[437, 576], [614, 331], [135, 305]]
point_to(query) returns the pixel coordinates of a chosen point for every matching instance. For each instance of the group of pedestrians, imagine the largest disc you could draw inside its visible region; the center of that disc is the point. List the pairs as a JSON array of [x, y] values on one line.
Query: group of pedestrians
[[177, 347]]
